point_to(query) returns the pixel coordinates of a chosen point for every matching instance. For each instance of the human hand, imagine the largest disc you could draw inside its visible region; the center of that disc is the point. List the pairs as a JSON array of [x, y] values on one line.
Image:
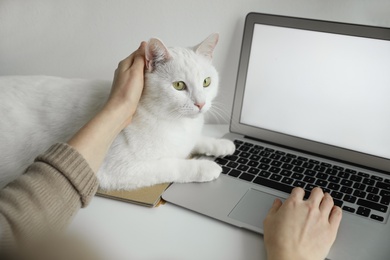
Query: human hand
[[298, 229], [127, 85], [95, 138]]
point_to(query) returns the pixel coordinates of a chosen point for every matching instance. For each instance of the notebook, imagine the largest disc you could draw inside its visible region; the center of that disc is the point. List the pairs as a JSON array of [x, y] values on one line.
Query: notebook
[[311, 108]]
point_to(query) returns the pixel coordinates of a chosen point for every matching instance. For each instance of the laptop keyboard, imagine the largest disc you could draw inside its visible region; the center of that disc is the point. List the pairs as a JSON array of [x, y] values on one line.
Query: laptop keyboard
[[355, 192]]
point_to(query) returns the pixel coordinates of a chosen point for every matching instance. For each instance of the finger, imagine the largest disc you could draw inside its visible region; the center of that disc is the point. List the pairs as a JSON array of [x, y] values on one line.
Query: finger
[[138, 60], [326, 204], [316, 196], [126, 63], [335, 219], [275, 206], [297, 193]]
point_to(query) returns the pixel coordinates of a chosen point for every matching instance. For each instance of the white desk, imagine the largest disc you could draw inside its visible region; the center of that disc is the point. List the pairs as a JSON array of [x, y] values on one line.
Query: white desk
[[120, 230]]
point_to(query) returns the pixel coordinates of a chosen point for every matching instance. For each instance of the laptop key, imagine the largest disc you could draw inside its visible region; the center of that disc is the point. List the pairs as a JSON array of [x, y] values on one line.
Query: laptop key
[[275, 169], [287, 166], [276, 177], [372, 205], [234, 173], [336, 195], [232, 165], [242, 160], [264, 166], [244, 148], [296, 162], [221, 161], [376, 217], [385, 200], [322, 176], [299, 184], [253, 170], [349, 198], [308, 165], [273, 184], [299, 169], [334, 186], [343, 175], [264, 174], [309, 187], [225, 170], [338, 202], [321, 183], [372, 190], [238, 142], [247, 176], [334, 179], [297, 176], [359, 186], [377, 178], [254, 157], [363, 211], [346, 183], [285, 159], [383, 185], [252, 164], [359, 193], [310, 173], [366, 175], [349, 209], [231, 157], [368, 181], [346, 190], [285, 173], [309, 179], [287, 180], [245, 155], [373, 197], [356, 178], [265, 160], [243, 168], [276, 163]]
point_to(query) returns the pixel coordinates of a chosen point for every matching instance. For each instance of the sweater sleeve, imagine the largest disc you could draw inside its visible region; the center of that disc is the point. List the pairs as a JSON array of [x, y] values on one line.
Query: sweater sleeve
[[47, 196]]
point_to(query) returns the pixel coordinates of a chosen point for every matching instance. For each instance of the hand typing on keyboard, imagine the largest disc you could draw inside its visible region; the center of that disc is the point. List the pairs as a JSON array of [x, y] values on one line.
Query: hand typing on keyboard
[[301, 229]]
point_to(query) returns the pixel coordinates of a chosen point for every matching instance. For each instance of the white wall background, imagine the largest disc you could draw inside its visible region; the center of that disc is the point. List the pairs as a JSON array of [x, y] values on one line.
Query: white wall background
[[87, 38]]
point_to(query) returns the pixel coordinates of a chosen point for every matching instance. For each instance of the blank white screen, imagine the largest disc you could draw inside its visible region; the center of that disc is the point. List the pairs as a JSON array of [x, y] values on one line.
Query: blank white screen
[[329, 88]]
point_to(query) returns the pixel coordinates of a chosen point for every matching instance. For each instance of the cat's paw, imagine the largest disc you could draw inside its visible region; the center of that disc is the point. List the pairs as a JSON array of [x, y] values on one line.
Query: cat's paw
[[222, 147], [207, 171]]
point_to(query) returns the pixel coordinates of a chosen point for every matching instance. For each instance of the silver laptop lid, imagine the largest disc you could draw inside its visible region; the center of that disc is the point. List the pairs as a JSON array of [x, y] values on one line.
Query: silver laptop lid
[[316, 86]]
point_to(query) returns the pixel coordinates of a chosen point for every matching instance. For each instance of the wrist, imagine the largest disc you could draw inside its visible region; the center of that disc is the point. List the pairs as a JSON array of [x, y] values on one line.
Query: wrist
[[282, 253], [290, 256], [119, 116]]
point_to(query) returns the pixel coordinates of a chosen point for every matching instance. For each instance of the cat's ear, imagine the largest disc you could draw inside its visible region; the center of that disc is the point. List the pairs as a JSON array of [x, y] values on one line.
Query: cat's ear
[[206, 48], [155, 53]]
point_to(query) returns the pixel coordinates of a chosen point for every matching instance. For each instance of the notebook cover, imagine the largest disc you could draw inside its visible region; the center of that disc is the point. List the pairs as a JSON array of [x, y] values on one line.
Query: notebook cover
[[148, 196]]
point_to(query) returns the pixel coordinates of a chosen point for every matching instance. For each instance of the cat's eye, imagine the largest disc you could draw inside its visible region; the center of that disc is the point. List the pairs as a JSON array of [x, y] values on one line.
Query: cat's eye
[[179, 85], [206, 82]]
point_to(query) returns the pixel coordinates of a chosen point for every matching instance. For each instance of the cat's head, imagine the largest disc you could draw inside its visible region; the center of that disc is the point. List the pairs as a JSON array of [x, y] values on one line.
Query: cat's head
[[180, 82]]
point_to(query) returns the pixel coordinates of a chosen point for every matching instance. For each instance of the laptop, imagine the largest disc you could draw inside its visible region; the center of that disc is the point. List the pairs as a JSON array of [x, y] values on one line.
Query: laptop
[[311, 108]]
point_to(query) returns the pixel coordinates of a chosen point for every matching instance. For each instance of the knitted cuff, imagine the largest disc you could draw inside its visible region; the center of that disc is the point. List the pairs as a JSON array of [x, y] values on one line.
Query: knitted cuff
[[72, 165]]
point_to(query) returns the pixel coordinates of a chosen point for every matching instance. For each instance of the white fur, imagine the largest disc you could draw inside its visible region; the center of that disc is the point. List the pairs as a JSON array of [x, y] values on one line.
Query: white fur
[[38, 111]]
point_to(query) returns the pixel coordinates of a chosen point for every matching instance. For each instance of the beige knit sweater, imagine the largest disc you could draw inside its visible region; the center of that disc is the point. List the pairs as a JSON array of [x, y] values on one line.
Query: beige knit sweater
[[46, 197]]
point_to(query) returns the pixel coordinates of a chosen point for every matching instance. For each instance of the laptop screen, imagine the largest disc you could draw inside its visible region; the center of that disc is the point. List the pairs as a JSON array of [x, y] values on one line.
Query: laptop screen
[[329, 88]]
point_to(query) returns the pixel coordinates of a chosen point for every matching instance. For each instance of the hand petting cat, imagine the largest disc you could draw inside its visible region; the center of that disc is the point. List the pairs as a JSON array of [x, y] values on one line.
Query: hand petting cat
[[94, 139], [128, 84]]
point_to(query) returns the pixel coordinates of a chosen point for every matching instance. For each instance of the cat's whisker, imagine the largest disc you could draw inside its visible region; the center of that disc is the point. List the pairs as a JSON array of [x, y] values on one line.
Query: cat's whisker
[[219, 113]]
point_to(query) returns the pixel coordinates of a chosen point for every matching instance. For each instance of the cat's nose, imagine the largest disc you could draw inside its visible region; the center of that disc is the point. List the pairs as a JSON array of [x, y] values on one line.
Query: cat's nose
[[200, 105]]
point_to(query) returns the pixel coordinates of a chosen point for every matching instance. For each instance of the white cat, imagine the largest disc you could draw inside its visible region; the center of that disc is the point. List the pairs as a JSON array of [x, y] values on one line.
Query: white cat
[[180, 85]]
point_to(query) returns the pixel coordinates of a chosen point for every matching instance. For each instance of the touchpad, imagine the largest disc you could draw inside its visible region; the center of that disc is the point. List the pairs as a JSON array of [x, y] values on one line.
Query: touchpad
[[253, 207]]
